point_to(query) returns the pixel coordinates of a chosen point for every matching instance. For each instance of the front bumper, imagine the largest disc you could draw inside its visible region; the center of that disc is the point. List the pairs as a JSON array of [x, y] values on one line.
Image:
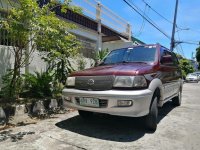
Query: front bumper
[[141, 101], [191, 80]]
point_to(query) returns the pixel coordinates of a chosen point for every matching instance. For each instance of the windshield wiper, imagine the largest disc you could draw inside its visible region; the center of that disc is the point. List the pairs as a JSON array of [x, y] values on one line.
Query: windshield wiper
[[122, 62], [133, 62], [144, 62]]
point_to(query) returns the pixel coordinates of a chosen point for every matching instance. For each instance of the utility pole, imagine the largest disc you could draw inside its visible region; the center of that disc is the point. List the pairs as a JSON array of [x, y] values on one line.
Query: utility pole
[[172, 44], [98, 18]]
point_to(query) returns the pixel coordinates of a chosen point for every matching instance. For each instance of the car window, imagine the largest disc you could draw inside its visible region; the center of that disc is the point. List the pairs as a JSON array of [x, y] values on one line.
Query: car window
[[193, 74], [175, 59], [115, 56], [198, 73], [135, 54], [168, 58]]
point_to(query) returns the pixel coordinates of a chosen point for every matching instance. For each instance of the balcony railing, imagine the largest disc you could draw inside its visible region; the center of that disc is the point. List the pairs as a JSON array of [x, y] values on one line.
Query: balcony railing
[[100, 13]]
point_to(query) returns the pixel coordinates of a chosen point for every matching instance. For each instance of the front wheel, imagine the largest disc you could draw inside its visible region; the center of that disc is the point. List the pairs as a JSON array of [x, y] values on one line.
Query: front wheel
[[151, 118], [177, 100]]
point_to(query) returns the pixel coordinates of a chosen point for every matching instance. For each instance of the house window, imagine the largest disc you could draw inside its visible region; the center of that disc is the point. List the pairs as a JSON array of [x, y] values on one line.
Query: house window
[[88, 46], [5, 38]]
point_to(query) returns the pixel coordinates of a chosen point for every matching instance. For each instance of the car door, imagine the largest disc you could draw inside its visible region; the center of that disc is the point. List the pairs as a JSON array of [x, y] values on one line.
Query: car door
[[177, 76], [168, 71]]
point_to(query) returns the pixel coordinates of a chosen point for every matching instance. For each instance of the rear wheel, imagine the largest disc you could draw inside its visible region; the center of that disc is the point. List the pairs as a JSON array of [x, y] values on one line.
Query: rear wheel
[[85, 114], [177, 100], [151, 118]]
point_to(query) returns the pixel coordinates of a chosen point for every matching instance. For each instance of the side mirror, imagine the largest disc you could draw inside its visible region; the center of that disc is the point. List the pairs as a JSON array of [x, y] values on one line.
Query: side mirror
[[167, 60]]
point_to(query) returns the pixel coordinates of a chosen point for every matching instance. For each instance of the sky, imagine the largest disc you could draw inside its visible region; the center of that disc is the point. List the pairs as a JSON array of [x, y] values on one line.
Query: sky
[[188, 18]]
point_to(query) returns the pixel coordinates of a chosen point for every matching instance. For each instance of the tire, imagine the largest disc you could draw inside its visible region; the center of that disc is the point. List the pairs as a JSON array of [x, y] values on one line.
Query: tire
[[151, 118], [177, 100], [85, 114]]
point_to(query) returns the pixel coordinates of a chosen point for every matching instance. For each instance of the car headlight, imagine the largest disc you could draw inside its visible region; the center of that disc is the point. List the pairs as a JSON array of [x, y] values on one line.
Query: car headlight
[[130, 81], [70, 81], [139, 81]]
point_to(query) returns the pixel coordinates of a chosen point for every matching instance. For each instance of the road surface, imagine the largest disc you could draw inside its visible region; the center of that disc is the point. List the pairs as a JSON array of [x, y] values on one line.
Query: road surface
[[178, 128]]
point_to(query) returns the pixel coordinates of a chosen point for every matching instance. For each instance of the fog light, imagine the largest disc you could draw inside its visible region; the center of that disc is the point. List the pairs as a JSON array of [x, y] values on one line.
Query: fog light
[[67, 98], [124, 103]]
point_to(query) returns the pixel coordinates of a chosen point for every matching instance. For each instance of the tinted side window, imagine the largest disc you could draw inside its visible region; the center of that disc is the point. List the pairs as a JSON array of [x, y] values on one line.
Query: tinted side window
[[175, 59], [167, 58]]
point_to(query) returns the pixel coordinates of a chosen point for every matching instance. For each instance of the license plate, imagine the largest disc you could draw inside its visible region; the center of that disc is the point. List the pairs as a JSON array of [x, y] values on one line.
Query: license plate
[[90, 102]]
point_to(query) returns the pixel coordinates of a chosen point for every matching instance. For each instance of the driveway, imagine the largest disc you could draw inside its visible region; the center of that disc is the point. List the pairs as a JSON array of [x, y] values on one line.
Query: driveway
[[178, 128]]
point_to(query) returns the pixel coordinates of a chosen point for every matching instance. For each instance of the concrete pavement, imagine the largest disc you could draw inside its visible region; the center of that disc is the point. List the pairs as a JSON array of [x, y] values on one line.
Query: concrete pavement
[[178, 128]]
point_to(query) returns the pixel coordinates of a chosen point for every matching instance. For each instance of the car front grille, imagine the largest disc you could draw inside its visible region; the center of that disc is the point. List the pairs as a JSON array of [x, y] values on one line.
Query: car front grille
[[94, 83]]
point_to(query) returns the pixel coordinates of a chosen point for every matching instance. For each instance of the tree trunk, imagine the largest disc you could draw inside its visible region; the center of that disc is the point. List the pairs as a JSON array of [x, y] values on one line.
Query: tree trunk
[[62, 72], [16, 74]]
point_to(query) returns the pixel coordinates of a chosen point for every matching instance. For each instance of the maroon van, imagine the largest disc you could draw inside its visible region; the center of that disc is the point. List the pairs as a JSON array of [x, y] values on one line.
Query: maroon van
[[131, 81]]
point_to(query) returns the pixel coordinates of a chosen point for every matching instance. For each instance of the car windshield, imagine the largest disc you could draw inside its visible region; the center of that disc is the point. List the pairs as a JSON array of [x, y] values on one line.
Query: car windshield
[[197, 73], [192, 74], [142, 54]]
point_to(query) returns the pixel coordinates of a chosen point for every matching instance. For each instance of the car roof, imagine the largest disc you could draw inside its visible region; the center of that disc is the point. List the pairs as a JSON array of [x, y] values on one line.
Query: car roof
[[138, 46]]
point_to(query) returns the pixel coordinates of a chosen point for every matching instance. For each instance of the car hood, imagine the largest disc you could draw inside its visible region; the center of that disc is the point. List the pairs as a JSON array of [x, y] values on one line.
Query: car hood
[[117, 69]]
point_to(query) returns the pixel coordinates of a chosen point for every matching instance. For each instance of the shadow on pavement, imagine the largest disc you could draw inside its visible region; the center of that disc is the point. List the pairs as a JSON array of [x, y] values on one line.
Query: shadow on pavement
[[112, 128]]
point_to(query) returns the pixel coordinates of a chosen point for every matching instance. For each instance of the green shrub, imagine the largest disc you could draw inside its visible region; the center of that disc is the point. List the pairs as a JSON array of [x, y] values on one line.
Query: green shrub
[[100, 55], [8, 91], [186, 67], [38, 85], [81, 62], [56, 89]]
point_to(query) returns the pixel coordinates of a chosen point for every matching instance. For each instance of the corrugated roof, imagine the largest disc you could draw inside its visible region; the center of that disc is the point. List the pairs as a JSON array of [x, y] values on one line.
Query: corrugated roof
[[137, 40]]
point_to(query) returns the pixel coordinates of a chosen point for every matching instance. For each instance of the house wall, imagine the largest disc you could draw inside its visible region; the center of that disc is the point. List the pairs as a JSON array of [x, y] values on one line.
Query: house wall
[[89, 47], [36, 63], [116, 44], [7, 62], [87, 37]]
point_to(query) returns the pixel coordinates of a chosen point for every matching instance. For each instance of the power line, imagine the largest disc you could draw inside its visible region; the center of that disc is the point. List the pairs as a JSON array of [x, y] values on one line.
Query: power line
[[157, 12], [179, 52], [197, 42], [143, 23], [181, 45], [188, 42], [180, 28], [139, 11], [193, 30], [136, 9]]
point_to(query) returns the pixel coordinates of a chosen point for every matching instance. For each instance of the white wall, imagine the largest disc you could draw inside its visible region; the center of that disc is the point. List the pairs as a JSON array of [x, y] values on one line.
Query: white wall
[[7, 62], [116, 44], [88, 33], [36, 63]]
